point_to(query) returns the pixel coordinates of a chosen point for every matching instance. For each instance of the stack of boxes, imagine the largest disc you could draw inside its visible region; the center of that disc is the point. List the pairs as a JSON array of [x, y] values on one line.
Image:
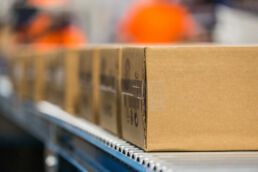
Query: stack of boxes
[[160, 98]]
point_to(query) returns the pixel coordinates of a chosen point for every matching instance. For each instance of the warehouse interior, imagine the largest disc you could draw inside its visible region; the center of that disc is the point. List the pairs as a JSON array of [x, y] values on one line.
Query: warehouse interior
[[128, 85]]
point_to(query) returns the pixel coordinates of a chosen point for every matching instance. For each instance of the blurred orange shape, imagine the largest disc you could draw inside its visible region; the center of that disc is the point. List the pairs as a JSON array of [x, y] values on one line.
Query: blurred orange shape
[[47, 3], [157, 21]]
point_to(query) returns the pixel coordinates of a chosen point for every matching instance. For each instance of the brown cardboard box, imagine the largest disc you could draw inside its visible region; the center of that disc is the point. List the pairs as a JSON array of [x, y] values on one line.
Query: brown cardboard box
[[26, 73], [87, 106], [30, 75], [22, 73], [110, 77], [17, 73], [40, 82], [55, 78], [72, 80], [62, 79], [190, 98]]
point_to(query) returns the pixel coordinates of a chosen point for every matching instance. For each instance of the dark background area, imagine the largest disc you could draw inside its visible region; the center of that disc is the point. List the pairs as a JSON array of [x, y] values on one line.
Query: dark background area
[[19, 151]]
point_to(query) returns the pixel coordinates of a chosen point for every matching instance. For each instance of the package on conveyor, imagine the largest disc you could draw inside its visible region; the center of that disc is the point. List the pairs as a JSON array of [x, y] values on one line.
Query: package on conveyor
[[16, 74], [190, 98], [34, 73], [61, 78], [72, 80], [39, 80], [55, 78], [109, 89], [22, 73], [87, 102]]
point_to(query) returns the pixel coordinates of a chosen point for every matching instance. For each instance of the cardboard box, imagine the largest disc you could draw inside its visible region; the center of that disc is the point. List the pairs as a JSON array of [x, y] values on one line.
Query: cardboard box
[[30, 75], [55, 78], [40, 82], [190, 98], [72, 80], [22, 73], [109, 92], [27, 69], [17, 70], [52, 76], [87, 106], [61, 87]]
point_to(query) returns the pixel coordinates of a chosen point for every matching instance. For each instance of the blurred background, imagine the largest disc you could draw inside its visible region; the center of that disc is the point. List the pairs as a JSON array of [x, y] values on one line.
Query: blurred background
[[48, 24], [130, 21]]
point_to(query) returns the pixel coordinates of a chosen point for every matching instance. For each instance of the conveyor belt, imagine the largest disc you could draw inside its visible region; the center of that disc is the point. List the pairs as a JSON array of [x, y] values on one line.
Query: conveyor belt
[[91, 148]]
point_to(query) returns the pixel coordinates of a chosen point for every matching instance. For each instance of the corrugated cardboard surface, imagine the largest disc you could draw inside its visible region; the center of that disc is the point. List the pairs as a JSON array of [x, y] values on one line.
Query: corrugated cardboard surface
[[72, 82], [109, 108], [207, 96], [87, 106], [55, 77], [200, 98], [39, 79], [95, 76], [133, 91], [17, 70], [19, 66], [30, 75]]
